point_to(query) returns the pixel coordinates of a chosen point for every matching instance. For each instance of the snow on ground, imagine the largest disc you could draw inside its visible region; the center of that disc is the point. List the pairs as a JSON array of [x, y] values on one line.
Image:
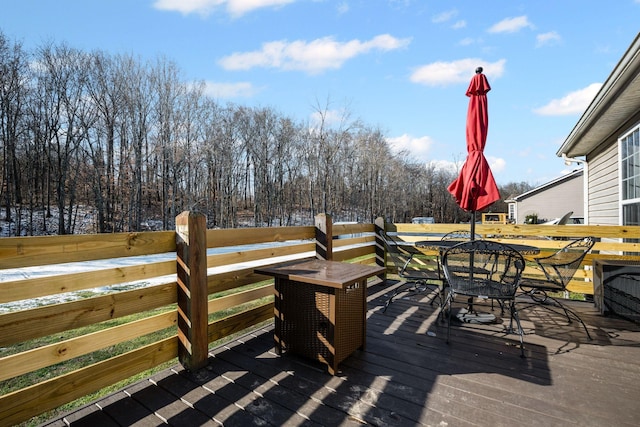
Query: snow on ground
[[12, 274], [84, 220], [85, 224]]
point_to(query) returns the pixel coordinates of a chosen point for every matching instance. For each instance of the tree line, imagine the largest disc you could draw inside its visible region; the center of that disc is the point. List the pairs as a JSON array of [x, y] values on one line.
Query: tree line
[[135, 141]]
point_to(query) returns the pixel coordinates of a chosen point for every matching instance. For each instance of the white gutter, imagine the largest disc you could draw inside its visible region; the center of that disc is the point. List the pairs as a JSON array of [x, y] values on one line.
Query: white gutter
[[585, 183]]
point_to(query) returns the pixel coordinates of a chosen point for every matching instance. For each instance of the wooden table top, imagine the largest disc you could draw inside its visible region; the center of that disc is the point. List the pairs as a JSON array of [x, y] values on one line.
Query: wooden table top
[[320, 272]]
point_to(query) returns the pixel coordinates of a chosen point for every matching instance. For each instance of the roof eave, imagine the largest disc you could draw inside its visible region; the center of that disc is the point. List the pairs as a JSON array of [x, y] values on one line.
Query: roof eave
[[617, 100]]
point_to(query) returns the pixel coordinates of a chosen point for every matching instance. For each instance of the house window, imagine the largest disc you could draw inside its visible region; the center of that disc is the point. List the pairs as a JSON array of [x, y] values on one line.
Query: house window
[[630, 177]]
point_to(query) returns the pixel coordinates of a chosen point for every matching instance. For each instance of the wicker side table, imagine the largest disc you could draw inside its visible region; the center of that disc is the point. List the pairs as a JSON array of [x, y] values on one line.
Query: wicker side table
[[320, 308]]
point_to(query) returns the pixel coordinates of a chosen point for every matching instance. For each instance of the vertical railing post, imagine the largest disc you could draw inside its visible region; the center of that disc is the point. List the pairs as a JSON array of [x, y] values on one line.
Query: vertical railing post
[[381, 259], [191, 251], [324, 237]]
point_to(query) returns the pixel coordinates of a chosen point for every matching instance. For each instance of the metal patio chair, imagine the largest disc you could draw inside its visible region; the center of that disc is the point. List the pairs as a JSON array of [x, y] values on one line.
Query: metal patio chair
[[557, 270], [419, 271], [483, 269], [463, 235]]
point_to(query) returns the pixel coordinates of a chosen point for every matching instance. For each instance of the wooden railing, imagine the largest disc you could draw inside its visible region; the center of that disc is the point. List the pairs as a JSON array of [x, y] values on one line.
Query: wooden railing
[[549, 238], [182, 296]]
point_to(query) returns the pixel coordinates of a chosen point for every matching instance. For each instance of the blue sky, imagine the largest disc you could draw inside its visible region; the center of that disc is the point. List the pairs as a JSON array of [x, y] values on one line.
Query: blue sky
[[400, 65]]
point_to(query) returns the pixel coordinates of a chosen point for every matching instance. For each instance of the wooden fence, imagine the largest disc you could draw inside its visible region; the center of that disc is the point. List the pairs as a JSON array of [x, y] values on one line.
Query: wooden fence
[[185, 293], [612, 242], [199, 304]]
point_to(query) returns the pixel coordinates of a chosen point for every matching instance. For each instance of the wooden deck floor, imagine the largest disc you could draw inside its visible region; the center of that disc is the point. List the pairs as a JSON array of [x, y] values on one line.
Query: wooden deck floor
[[407, 376]]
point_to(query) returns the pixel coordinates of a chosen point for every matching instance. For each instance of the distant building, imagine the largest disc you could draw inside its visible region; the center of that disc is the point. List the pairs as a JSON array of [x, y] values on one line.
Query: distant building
[[551, 200], [606, 140], [423, 220]]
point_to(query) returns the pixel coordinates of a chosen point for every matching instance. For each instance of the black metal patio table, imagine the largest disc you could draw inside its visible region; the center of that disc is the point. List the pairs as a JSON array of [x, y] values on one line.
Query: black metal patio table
[[469, 315], [443, 245]]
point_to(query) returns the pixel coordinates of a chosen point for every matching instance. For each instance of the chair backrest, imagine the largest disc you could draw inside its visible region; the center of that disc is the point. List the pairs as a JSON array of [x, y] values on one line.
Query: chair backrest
[[483, 268], [565, 218], [409, 261], [560, 267], [459, 235]]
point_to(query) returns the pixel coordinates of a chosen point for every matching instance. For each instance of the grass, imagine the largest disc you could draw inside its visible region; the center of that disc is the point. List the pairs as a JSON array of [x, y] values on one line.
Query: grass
[[43, 374]]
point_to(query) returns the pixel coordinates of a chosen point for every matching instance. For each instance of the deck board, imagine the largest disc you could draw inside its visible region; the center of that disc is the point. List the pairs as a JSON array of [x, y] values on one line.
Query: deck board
[[407, 375]]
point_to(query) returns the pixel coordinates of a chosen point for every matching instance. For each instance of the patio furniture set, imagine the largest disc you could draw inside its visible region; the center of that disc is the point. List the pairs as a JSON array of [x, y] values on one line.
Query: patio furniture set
[[476, 268], [320, 306]]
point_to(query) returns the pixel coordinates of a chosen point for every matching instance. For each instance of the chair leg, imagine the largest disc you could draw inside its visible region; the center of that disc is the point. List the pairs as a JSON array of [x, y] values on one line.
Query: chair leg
[[395, 292], [569, 312], [448, 303], [514, 315], [443, 302], [438, 295]]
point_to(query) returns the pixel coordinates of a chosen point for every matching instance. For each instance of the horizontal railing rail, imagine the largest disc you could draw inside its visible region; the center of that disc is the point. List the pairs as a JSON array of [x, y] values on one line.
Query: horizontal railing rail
[[612, 242], [118, 304], [112, 291]]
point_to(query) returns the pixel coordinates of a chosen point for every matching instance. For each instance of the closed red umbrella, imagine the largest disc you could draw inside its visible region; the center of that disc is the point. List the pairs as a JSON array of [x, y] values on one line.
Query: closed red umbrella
[[475, 188]]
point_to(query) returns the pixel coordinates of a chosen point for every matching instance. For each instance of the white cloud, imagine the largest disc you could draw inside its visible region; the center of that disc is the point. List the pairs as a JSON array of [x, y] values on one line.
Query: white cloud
[[447, 16], [551, 37], [461, 71], [313, 57], [445, 165], [459, 24], [230, 90], [205, 7], [497, 164], [444, 16], [467, 41], [343, 8], [573, 103], [418, 147], [327, 118], [511, 25]]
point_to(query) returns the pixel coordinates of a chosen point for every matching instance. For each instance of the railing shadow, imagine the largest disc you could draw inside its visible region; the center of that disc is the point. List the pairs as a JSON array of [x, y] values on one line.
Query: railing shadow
[[407, 375]]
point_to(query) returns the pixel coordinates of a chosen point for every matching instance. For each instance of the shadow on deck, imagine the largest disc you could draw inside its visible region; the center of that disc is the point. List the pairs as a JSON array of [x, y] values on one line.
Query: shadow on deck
[[407, 376]]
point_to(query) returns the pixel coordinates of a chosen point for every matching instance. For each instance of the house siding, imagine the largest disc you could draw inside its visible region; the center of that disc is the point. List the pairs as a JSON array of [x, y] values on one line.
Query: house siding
[[554, 201], [604, 204], [614, 111]]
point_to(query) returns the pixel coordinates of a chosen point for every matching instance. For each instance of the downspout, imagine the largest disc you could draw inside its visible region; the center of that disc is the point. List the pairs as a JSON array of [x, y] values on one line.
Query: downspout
[[585, 182]]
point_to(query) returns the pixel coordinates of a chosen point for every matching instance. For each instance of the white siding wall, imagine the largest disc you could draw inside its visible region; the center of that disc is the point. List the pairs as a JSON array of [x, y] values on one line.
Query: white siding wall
[[604, 206]]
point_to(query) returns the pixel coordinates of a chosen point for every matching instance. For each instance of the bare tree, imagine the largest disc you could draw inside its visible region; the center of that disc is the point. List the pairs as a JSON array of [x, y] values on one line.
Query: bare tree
[[136, 124], [104, 86], [63, 78], [13, 88], [168, 149], [135, 141]]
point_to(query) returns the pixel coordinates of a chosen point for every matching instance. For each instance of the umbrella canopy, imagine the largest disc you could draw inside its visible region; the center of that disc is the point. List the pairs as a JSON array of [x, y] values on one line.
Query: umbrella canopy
[[475, 188]]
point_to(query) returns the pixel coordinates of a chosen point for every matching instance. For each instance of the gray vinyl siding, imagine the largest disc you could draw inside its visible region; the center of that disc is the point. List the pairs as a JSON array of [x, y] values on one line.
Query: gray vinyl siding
[[554, 201], [604, 204]]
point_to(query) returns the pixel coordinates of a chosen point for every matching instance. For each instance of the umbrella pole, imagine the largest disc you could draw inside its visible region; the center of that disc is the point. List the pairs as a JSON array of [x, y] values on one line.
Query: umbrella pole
[[472, 237], [473, 225]]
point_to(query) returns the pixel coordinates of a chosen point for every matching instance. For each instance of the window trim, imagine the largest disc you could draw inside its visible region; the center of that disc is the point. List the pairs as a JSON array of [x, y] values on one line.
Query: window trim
[[624, 202]]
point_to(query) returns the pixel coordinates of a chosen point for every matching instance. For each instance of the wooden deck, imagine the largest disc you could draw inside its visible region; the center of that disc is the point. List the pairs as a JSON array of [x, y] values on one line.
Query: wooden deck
[[407, 376]]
